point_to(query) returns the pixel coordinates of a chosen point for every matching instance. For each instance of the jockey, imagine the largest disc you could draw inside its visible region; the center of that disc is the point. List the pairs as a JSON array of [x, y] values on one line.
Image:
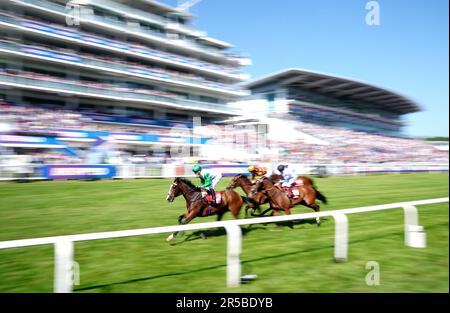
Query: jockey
[[288, 177], [256, 171], [208, 179]]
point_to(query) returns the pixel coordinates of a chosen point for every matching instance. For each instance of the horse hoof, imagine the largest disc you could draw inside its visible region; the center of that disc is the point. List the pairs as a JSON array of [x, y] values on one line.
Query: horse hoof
[[203, 236], [170, 238]]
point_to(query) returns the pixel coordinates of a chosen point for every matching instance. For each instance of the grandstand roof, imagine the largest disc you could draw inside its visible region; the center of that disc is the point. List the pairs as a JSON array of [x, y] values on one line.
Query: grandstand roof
[[164, 8], [338, 87]]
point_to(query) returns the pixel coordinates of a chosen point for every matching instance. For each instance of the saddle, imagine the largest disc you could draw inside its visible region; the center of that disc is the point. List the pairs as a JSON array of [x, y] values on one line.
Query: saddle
[[292, 192], [208, 197]]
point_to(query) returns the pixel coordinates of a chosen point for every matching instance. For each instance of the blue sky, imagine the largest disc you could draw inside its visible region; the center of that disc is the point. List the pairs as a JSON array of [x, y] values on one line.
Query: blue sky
[[407, 52]]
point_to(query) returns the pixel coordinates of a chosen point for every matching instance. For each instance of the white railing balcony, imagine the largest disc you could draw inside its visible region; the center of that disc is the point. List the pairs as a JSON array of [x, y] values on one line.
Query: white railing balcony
[[122, 26], [122, 47], [119, 68], [146, 17]]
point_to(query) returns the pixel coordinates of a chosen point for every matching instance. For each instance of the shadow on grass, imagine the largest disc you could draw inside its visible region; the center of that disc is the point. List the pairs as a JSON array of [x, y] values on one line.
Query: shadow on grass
[[204, 234], [108, 287]]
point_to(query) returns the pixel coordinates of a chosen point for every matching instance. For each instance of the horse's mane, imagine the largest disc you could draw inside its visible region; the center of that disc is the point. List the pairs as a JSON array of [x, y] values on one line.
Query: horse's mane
[[186, 181], [264, 178], [242, 176]]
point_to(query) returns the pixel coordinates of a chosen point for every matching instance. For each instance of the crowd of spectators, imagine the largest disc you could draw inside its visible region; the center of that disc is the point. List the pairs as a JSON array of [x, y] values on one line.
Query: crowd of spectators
[[336, 145], [349, 146], [36, 119], [325, 115]]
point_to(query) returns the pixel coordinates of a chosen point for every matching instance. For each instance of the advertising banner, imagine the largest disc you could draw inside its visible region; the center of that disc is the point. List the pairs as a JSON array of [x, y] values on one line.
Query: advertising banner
[[78, 171]]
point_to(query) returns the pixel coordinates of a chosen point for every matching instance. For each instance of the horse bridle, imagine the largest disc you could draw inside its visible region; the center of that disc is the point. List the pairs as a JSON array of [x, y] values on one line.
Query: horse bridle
[[260, 181], [171, 187], [235, 179]]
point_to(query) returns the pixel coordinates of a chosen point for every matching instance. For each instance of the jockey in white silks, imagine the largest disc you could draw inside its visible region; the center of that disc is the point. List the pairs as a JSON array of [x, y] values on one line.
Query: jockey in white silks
[[288, 176]]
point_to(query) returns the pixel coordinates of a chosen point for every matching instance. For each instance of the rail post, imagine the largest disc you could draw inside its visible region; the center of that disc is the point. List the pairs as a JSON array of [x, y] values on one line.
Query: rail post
[[340, 237], [414, 234], [234, 246], [63, 280]]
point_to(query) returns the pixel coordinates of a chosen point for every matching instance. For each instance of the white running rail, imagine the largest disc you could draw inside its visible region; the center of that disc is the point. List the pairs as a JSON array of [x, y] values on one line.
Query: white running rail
[[64, 245]]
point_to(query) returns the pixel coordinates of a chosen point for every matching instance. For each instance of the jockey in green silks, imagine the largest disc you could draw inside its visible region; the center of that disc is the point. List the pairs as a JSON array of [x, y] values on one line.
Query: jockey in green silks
[[208, 179]]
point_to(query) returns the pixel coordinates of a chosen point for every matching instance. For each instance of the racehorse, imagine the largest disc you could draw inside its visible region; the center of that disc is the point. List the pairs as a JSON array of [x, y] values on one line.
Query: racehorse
[[198, 206], [253, 201], [260, 198], [303, 181], [279, 200]]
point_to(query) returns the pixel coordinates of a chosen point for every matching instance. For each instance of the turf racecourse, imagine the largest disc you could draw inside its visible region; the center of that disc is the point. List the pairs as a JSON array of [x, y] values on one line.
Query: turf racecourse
[[297, 259]]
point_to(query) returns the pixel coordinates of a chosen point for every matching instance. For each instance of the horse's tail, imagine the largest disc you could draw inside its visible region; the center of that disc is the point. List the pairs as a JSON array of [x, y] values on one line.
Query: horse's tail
[[313, 183], [320, 196]]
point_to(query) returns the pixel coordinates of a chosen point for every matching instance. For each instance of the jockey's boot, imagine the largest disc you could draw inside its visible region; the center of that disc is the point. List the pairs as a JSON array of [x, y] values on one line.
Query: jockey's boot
[[213, 195], [289, 192]]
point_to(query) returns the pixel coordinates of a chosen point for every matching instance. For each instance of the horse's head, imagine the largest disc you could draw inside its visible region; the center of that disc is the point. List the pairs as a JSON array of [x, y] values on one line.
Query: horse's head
[[235, 182], [174, 190], [275, 177]]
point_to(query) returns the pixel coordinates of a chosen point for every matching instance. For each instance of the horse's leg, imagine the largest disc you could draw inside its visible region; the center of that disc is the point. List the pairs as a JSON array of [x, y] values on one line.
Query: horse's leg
[[186, 218], [261, 199], [180, 218], [220, 215], [234, 204], [235, 209], [276, 212], [310, 202], [174, 234], [316, 208], [190, 216], [246, 210]]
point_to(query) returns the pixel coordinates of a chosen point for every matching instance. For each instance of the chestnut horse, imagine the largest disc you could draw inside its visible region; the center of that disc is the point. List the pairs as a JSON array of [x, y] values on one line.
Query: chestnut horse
[[198, 206], [253, 201], [279, 200], [260, 198], [306, 181]]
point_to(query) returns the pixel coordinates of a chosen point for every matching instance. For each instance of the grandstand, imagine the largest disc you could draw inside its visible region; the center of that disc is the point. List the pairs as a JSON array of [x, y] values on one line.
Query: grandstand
[[125, 84], [329, 100], [134, 67], [321, 118]]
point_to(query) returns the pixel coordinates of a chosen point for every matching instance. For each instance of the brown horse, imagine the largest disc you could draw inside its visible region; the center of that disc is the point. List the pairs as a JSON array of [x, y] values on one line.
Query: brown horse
[[304, 181], [253, 201], [279, 200], [198, 206], [260, 198]]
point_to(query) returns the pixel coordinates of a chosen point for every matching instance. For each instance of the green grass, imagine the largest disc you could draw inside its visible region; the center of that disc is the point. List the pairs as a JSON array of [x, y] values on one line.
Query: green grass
[[298, 259]]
